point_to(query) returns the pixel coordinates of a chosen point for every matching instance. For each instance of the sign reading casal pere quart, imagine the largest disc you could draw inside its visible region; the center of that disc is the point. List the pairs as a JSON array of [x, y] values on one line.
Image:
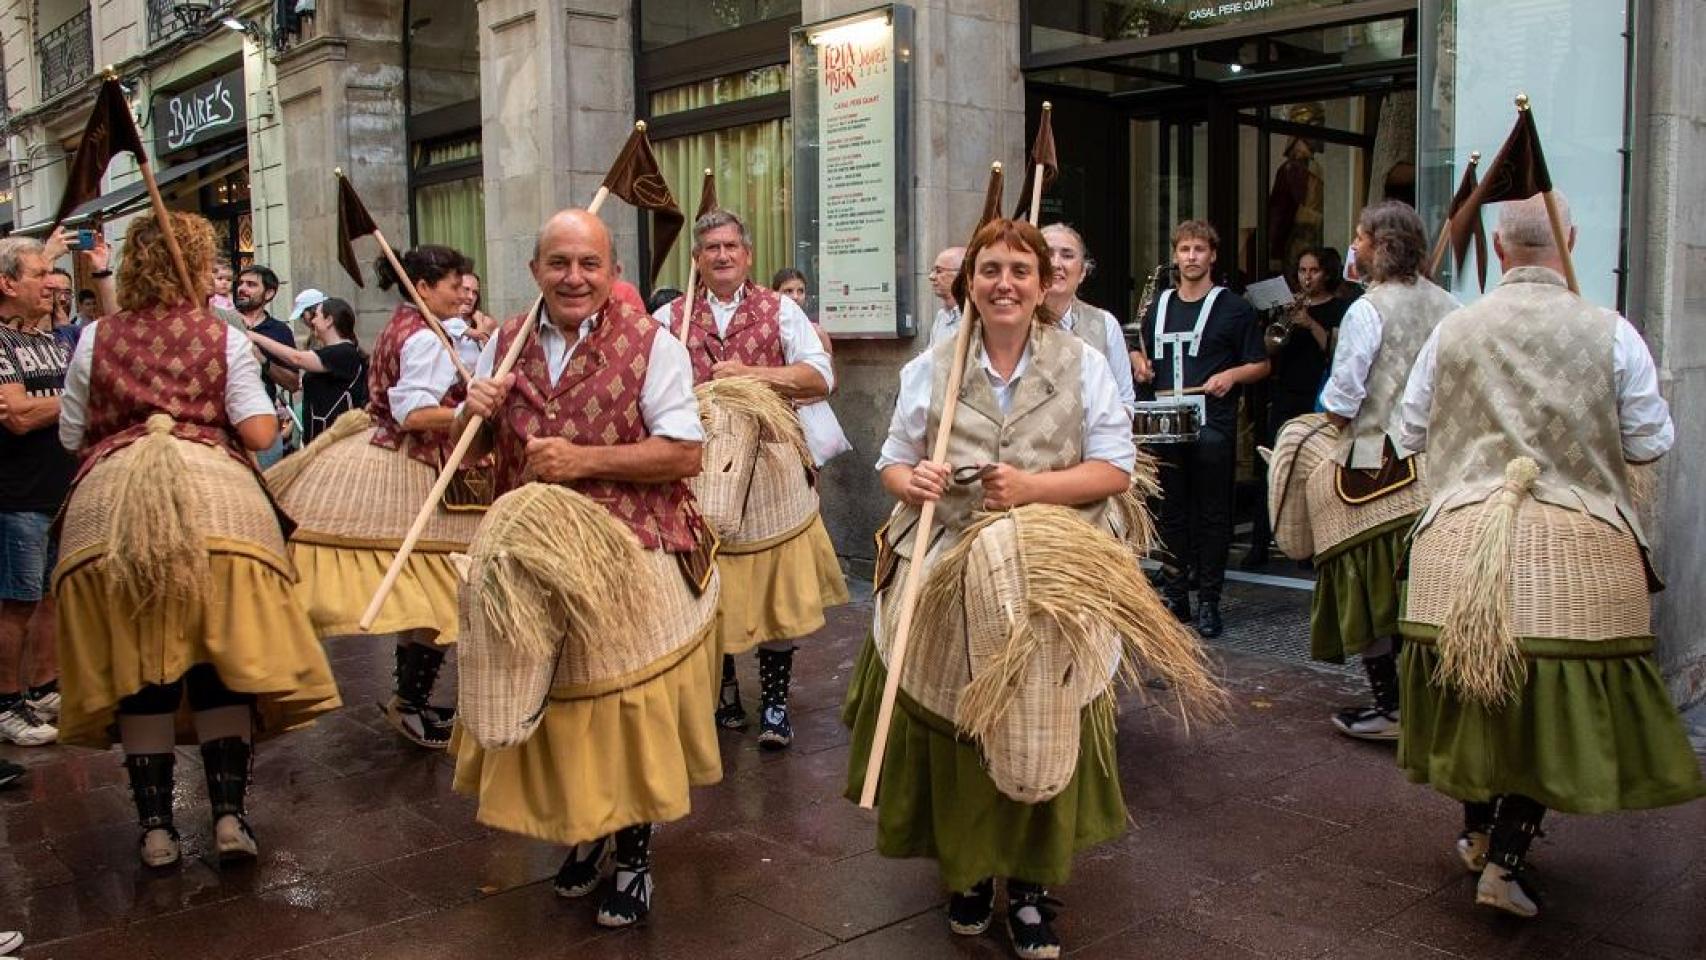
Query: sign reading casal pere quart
[[200, 113], [856, 177]]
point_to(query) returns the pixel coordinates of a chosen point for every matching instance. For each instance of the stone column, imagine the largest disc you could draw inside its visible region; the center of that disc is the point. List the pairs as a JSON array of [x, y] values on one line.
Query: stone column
[[968, 109], [1668, 257], [339, 98], [557, 101]]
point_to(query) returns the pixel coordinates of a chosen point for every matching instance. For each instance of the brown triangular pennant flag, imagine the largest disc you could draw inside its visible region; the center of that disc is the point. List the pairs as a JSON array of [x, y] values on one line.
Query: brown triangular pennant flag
[[636, 178], [1517, 173], [991, 212], [1042, 153], [111, 130], [353, 221], [1465, 190], [707, 195]]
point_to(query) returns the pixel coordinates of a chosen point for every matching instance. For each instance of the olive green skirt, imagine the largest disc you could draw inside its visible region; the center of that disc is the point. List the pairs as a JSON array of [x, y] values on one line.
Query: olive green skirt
[[936, 801], [1593, 731], [1356, 592]]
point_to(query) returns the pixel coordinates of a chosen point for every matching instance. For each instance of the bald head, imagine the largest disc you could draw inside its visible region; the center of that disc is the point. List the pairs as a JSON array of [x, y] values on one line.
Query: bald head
[[574, 265], [1524, 234], [942, 273]]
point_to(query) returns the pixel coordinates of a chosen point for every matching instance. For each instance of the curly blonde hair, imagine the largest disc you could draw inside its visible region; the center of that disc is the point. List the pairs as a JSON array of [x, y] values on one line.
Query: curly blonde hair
[[147, 276]]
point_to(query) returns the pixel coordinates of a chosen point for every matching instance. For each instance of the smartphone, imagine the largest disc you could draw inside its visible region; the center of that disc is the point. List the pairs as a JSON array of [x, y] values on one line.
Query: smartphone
[[1351, 273], [82, 240]]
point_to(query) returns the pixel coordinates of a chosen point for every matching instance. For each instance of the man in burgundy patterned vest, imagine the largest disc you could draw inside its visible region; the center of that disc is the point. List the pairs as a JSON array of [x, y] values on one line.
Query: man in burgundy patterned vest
[[775, 596], [601, 400]]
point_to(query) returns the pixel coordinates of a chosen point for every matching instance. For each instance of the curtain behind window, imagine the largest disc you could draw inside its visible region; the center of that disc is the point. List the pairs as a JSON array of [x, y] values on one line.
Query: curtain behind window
[[754, 168], [453, 212]]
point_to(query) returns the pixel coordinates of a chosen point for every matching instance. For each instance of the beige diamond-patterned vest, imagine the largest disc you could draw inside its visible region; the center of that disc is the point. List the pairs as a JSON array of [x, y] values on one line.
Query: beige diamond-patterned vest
[[1529, 371], [1090, 325], [1408, 314], [1042, 430]]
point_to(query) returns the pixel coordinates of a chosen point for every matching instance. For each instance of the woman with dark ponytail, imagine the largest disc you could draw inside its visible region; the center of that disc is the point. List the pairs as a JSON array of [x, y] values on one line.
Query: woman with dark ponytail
[[354, 503], [334, 371]]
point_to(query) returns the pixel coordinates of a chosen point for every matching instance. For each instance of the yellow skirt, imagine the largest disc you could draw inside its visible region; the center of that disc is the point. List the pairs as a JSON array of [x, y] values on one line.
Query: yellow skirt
[[779, 593], [250, 628], [335, 585], [598, 764]]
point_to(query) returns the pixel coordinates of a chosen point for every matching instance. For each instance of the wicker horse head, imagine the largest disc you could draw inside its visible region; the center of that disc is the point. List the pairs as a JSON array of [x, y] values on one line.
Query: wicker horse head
[[560, 601], [755, 485], [1026, 623]]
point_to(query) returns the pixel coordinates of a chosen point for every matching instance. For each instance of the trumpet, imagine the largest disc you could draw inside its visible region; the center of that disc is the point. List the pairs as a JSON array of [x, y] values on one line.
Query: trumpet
[[1279, 331]]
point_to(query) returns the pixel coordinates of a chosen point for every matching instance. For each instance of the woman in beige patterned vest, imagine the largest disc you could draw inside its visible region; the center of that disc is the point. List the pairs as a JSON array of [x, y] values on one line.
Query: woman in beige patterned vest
[[1360, 518], [1528, 670], [1039, 422]]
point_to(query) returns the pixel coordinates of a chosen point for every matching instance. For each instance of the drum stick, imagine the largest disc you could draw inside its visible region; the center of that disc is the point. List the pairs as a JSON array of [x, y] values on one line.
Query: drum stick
[[469, 432]]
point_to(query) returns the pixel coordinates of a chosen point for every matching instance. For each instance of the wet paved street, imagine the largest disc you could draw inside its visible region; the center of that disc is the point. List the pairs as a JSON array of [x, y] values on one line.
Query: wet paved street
[[1267, 836]]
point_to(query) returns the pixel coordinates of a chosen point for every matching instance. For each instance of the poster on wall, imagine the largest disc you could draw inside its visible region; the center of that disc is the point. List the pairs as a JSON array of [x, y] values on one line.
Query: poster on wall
[[852, 89]]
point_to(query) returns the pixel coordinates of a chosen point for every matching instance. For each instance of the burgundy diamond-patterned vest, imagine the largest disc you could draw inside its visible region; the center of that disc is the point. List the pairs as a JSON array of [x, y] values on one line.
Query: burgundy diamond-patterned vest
[[157, 360], [596, 401], [384, 367], [754, 336]]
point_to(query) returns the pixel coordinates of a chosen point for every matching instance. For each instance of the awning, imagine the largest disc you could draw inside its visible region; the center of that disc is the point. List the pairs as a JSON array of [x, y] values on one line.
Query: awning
[[132, 196]]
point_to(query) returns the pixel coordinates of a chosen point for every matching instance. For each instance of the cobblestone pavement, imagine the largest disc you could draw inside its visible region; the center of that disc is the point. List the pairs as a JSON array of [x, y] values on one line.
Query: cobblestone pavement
[[1265, 836]]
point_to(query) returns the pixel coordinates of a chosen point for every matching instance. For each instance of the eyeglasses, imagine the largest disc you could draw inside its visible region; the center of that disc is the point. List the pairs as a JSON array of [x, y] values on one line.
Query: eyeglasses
[[936, 270]]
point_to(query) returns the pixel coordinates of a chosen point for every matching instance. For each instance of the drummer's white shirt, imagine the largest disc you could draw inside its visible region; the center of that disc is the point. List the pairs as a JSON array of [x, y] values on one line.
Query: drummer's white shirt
[[245, 396], [1107, 424], [667, 403], [799, 341]]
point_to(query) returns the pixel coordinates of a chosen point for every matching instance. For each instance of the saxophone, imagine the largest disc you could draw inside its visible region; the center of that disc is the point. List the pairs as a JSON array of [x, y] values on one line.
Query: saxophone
[[1134, 328]]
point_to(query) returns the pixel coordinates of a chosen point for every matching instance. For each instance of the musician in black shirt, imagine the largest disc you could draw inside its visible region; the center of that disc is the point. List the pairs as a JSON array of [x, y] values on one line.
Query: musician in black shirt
[[1222, 349]]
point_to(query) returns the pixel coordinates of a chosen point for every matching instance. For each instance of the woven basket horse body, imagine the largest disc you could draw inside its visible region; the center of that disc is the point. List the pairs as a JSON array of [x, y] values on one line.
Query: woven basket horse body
[[560, 601], [1308, 514], [755, 487], [231, 511], [351, 493]]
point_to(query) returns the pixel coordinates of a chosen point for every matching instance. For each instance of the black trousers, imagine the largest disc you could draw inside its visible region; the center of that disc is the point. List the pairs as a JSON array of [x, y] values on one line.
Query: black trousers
[[1196, 513], [206, 692]]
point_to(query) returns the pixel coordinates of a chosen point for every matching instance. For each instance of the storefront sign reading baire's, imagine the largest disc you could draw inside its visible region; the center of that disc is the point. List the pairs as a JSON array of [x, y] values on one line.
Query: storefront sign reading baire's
[[200, 113]]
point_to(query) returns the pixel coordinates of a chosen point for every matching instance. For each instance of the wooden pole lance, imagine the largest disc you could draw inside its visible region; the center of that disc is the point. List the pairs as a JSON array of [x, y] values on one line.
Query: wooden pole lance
[[1443, 241], [692, 280], [921, 539], [1560, 236], [161, 215]]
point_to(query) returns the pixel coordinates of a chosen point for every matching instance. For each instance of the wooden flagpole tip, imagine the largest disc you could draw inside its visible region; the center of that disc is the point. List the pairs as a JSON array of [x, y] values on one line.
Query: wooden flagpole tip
[[337, 171], [1047, 106], [1522, 101], [640, 125], [1474, 156], [995, 167], [707, 171]]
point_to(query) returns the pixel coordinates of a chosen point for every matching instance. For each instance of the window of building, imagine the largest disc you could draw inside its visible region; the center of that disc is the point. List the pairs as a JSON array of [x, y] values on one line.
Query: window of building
[[446, 191], [667, 22], [450, 196], [718, 99], [1050, 26]]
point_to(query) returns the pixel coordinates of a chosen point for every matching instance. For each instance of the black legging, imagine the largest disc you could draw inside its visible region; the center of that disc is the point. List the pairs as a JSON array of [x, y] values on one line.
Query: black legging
[[206, 690]]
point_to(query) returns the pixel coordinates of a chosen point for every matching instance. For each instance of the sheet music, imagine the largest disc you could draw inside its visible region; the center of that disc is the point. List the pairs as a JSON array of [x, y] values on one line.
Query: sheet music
[[1268, 294]]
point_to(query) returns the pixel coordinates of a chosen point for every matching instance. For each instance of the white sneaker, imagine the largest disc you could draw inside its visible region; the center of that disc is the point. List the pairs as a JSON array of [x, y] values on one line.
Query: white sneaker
[[159, 848], [1367, 723], [21, 726], [1501, 889], [10, 941], [1472, 850], [233, 840], [47, 708]]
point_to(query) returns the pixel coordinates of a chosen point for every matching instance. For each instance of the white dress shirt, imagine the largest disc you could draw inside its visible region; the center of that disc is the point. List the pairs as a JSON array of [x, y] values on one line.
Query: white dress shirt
[[799, 341], [425, 375], [667, 403], [467, 348], [1119, 362], [1360, 334], [947, 321], [1107, 424], [245, 396], [1642, 414]]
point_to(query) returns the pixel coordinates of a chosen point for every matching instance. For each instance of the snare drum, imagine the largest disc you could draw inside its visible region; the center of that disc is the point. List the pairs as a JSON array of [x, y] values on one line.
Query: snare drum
[[1174, 420]]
